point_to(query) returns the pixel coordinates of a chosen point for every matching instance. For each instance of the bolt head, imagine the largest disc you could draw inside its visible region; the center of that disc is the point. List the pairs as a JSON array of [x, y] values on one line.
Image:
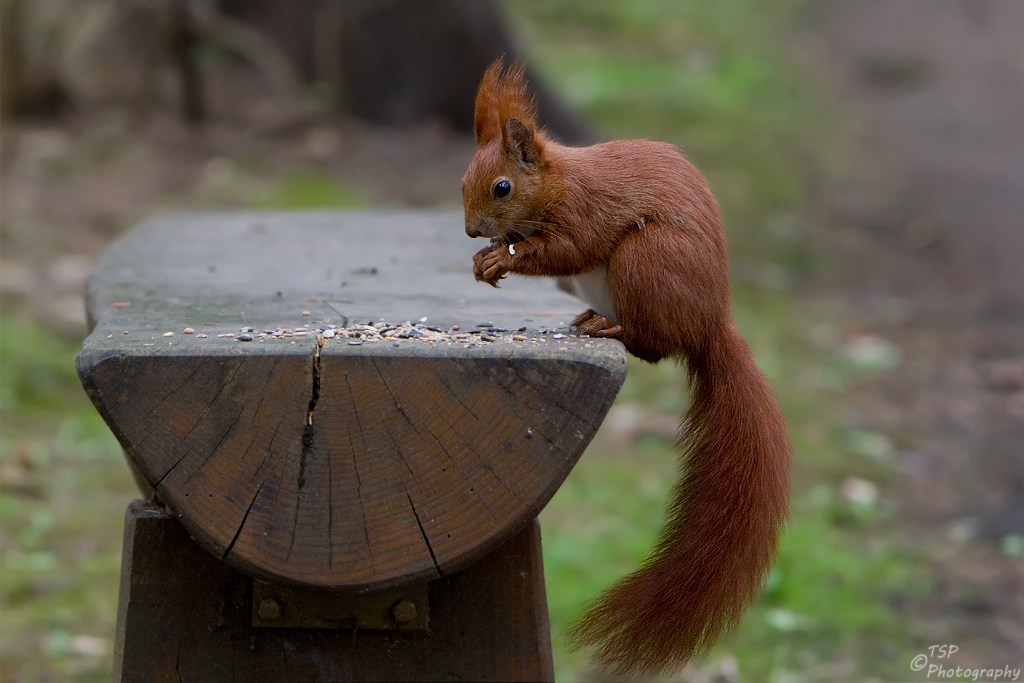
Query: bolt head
[[269, 609], [404, 611]]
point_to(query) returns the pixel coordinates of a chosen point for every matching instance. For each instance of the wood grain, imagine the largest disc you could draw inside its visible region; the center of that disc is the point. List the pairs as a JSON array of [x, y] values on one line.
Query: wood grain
[[366, 467]]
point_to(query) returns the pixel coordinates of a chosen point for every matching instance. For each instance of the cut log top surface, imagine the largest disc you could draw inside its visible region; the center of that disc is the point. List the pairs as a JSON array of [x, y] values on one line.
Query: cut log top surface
[[310, 459]]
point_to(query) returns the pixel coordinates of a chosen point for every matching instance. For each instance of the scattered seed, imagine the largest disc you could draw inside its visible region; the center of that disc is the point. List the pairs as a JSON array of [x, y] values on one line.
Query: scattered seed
[[245, 336], [559, 336], [329, 334], [168, 334], [201, 336], [121, 304], [306, 314], [355, 342], [518, 337], [188, 330]]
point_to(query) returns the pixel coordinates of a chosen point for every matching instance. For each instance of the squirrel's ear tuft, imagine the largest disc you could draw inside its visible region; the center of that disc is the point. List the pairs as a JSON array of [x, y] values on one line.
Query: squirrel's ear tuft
[[514, 98], [485, 115], [501, 97], [520, 143]]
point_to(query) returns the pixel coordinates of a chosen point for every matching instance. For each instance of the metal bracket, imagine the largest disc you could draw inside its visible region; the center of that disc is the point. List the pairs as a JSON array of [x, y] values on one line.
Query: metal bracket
[[280, 606]]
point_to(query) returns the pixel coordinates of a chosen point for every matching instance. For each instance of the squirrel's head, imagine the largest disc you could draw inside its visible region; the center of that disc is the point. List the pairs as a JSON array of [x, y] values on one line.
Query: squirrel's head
[[501, 191]]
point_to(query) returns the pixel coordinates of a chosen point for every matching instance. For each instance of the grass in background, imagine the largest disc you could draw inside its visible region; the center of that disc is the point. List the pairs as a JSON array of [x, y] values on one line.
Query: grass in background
[[58, 578], [309, 189], [711, 77], [714, 79]]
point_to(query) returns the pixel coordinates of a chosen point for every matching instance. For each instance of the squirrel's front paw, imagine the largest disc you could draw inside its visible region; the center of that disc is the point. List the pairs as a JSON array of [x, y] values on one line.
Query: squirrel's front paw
[[490, 264]]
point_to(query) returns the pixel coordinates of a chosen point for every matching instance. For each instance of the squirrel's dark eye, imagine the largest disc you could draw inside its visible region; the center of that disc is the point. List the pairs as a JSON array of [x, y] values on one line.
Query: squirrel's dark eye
[[502, 188]]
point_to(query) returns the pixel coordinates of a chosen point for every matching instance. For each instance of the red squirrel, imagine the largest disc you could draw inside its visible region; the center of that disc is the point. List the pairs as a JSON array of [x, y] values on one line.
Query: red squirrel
[[636, 228]]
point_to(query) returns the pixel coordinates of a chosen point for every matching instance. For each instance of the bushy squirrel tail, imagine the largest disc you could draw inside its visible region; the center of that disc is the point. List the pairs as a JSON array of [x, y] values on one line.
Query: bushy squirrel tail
[[724, 521]]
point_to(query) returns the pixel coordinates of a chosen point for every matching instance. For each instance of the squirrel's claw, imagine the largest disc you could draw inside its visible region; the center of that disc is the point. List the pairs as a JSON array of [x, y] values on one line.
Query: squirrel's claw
[[592, 323], [488, 265], [582, 318]]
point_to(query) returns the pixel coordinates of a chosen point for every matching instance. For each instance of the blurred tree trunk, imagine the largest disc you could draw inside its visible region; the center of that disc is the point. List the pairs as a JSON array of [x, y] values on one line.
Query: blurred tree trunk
[[26, 85], [398, 62], [390, 62]]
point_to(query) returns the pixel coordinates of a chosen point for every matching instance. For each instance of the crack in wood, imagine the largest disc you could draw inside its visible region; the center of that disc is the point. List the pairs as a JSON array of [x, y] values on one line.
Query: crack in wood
[[315, 369], [142, 369], [238, 532], [284, 658], [509, 490], [308, 450], [438, 441], [183, 439], [255, 415], [177, 661], [270, 448], [355, 467], [426, 540], [213, 451], [508, 443], [309, 431], [556, 399], [295, 526]]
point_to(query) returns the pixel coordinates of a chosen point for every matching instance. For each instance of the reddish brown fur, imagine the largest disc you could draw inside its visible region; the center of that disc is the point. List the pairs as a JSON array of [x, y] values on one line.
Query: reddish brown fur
[[641, 208]]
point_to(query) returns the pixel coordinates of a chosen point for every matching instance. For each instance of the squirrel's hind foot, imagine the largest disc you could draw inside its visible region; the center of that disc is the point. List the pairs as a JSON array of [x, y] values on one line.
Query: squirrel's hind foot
[[592, 323]]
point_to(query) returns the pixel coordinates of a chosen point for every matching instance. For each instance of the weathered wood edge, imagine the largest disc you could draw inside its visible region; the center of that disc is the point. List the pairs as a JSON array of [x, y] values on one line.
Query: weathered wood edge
[[270, 266], [609, 357]]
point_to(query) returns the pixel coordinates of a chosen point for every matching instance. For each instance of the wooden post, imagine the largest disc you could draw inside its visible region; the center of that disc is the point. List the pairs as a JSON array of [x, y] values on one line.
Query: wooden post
[[316, 460], [185, 616]]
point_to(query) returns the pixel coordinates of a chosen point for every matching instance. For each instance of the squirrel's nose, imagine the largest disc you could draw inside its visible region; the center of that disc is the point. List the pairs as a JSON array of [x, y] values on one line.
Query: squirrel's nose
[[472, 232]]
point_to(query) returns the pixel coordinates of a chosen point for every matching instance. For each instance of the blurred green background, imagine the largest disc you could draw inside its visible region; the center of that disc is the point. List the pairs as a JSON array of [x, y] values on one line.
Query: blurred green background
[[724, 82]]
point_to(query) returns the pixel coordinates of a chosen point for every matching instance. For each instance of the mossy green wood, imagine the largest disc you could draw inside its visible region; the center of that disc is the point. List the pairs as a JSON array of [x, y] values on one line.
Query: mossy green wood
[[358, 466]]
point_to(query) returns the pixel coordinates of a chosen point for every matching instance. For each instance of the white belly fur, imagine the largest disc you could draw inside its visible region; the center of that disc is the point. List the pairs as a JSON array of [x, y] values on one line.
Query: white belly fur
[[592, 287]]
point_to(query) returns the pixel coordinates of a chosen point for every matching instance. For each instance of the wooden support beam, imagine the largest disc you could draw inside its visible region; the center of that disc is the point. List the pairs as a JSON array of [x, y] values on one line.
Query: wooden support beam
[[185, 617]]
